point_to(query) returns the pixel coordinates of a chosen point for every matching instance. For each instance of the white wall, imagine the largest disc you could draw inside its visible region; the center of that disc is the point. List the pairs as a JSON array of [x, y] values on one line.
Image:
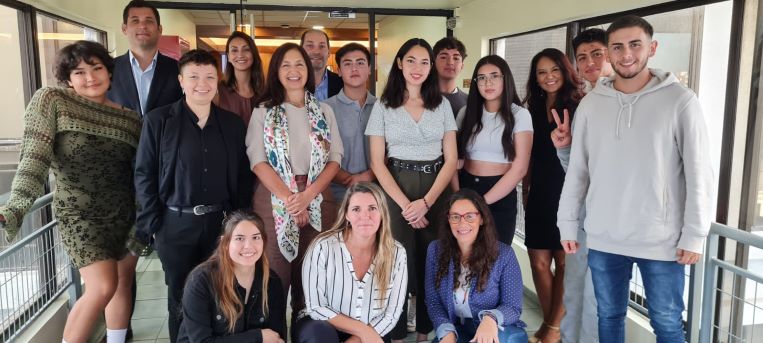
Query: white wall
[[481, 20], [178, 23], [394, 31]]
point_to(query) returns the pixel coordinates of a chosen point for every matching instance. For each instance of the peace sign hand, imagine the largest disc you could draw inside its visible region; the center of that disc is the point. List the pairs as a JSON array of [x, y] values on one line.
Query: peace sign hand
[[561, 136]]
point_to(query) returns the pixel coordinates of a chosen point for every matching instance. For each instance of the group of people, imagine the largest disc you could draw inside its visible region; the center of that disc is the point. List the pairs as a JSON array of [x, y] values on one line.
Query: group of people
[[351, 205]]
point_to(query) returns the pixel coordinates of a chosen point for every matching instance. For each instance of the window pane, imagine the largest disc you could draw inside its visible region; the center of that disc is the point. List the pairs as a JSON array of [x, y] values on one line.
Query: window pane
[[54, 34], [11, 95]]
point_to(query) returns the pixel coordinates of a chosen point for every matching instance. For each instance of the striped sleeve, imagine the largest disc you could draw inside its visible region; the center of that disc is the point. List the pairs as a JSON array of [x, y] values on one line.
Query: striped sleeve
[[397, 295], [314, 283], [36, 156]]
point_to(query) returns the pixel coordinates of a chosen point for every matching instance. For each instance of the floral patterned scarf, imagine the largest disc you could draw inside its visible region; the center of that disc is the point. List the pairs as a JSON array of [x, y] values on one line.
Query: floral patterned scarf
[[277, 152]]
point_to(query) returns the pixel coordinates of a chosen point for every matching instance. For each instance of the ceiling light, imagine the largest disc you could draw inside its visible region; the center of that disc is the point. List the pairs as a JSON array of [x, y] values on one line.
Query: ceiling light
[[318, 27]]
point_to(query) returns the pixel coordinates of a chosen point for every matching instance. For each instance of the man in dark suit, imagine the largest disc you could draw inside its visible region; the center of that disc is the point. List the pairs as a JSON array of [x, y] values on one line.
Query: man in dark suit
[[143, 78], [316, 44]]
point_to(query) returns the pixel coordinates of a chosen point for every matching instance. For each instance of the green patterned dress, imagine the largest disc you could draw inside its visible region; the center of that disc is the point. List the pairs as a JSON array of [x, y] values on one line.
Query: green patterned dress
[[91, 148]]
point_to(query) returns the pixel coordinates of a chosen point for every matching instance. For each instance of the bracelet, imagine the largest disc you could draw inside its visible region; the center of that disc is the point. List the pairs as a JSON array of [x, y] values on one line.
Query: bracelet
[[488, 314], [425, 203]]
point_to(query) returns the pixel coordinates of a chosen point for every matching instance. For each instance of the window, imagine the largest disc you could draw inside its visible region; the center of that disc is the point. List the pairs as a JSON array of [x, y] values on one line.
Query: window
[[54, 34], [11, 91]]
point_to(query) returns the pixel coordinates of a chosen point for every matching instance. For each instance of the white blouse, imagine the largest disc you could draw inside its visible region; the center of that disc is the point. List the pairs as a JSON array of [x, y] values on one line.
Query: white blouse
[[331, 286]]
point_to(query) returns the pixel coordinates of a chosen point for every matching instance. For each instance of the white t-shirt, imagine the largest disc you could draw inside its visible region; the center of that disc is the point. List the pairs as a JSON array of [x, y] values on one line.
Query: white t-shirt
[[487, 146]]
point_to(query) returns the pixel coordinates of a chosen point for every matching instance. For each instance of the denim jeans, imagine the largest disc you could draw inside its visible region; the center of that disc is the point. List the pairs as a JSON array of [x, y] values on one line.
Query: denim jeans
[[664, 285], [510, 333]]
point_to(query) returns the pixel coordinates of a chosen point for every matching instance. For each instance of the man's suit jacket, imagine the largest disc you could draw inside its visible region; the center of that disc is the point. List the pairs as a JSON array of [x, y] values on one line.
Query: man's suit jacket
[[335, 84], [165, 88]]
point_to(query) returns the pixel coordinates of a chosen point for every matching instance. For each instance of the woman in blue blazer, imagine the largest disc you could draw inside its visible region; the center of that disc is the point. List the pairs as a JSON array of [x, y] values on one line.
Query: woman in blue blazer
[[479, 298]]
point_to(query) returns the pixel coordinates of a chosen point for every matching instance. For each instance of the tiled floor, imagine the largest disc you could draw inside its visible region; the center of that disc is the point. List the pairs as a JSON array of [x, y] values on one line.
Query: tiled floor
[[149, 323]]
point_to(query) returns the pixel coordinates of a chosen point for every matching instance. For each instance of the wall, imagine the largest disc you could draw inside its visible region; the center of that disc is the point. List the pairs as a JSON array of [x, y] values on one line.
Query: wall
[[481, 20], [178, 23], [393, 31]]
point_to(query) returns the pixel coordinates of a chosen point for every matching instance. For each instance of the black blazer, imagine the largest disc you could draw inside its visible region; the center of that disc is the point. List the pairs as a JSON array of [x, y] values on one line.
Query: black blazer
[[203, 320], [157, 156], [335, 84], [164, 90]]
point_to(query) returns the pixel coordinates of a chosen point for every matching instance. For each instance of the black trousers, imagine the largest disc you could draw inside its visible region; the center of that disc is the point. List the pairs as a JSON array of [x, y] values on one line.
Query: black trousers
[[308, 330], [184, 241], [504, 211]]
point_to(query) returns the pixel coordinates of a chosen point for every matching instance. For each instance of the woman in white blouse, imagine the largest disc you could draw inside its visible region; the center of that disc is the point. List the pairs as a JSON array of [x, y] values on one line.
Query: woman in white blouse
[[415, 123], [354, 275], [494, 142]]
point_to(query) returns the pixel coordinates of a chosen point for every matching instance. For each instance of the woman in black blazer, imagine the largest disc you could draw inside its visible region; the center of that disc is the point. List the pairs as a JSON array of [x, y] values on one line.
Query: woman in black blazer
[[233, 296]]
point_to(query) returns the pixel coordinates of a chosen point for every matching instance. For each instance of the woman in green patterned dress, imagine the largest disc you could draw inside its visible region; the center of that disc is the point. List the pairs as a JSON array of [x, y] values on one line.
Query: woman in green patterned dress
[[89, 142]]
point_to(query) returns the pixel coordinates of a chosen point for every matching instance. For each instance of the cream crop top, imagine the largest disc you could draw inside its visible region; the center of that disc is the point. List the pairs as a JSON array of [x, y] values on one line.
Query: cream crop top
[[487, 146]]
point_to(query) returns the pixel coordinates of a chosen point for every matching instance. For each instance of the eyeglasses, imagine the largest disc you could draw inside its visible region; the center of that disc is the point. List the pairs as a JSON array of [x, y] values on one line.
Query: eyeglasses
[[470, 217], [483, 79]]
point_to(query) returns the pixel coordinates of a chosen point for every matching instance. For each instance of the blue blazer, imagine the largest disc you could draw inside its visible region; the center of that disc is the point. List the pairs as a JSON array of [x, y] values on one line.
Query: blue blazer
[[164, 90], [502, 296]]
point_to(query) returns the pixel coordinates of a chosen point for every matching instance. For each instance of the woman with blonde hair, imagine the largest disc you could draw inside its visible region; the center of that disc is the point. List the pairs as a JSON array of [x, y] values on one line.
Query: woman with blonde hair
[[234, 293], [354, 275]]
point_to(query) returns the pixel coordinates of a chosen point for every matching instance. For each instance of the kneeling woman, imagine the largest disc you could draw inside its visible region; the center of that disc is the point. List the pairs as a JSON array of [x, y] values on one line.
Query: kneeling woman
[[473, 282], [234, 293], [354, 275]]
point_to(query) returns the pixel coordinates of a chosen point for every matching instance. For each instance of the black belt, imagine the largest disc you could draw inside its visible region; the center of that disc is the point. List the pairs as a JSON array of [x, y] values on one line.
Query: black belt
[[426, 167], [198, 210]]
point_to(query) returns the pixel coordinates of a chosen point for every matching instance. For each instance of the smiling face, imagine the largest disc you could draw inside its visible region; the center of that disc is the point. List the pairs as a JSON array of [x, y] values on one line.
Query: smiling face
[[246, 245], [317, 48], [415, 65], [492, 88], [142, 29], [293, 71], [199, 83], [629, 51], [464, 231], [591, 59], [363, 214], [549, 75], [354, 69], [90, 80], [449, 63], [240, 54]]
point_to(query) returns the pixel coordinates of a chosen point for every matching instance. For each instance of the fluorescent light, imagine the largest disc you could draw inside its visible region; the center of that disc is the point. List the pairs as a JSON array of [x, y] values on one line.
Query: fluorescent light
[[220, 42], [318, 27]]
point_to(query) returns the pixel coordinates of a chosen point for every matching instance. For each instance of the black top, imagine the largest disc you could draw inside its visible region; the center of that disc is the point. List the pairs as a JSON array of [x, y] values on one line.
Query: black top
[[201, 165], [335, 84], [164, 89], [158, 156], [204, 322]]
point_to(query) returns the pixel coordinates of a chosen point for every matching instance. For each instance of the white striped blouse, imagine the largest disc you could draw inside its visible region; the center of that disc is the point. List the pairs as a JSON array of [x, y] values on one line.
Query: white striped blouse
[[331, 286]]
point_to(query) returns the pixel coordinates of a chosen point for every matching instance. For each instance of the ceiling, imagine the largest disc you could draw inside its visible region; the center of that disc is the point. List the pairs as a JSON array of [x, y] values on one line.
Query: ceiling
[[404, 4], [303, 19]]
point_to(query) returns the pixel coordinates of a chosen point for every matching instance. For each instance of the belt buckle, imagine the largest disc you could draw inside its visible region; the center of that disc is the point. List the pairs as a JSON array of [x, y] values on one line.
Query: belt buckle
[[199, 210], [427, 168]]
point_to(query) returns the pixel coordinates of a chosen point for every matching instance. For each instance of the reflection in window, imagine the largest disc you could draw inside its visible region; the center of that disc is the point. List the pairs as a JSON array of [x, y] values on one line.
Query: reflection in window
[[54, 34]]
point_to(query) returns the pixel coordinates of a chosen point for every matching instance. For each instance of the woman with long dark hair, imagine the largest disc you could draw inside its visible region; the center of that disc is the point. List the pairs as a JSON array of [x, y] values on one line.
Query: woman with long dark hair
[[494, 142], [234, 294], [473, 281], [417, 127], [355, 276], [552, 87], [244, 81], [89, 143], [295, 150]]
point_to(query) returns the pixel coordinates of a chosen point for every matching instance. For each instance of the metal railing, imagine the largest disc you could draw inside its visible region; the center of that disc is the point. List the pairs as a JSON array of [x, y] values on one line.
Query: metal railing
[[34, 271], [731, 310]]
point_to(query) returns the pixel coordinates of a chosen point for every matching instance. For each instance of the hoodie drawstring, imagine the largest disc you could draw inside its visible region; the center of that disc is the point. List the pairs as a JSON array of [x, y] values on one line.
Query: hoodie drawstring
[[622, 108]]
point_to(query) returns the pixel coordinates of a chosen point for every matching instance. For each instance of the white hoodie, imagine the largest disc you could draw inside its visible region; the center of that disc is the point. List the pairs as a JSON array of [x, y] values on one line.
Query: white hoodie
[[640, 165]]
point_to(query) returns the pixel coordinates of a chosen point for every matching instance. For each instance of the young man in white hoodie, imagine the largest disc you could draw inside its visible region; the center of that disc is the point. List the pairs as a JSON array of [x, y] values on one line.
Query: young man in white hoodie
[[640, 165]]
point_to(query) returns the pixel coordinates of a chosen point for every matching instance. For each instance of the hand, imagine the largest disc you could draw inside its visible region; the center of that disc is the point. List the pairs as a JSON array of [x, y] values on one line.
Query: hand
[[269, 336], [561, 136], [369, 335], [353, 339], [570, 247], [415, 210], [687, 257], [297, 203], [366, 176], [449, 338], [487, 332], [420, 224], [302, 219]]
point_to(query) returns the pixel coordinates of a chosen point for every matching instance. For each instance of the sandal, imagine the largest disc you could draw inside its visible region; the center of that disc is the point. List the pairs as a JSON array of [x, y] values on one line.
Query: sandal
[[552, 328]]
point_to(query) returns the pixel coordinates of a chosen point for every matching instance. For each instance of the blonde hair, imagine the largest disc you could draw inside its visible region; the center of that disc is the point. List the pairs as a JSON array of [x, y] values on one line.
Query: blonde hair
[[385, 244], [222, 267]]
